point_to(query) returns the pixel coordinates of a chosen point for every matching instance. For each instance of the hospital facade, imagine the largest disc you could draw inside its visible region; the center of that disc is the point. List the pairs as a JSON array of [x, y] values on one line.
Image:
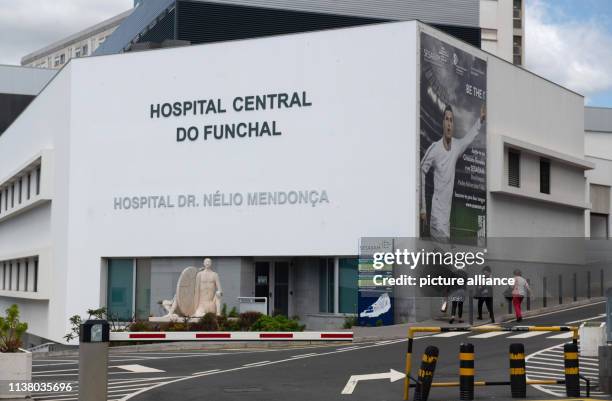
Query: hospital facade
[[104, 203]]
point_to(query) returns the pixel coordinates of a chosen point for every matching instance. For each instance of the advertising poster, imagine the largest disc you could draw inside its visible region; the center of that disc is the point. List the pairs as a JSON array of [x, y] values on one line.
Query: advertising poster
[[452, 144], [375, 302]]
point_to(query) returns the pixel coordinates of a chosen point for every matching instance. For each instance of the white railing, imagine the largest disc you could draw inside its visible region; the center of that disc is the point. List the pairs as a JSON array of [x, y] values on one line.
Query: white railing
[[253, 304]]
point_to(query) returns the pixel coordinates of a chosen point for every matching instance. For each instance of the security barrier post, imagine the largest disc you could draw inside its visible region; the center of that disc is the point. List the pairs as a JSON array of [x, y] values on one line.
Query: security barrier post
[[426, 373], [518, 380], [408, 368], [572, 379], [93, 360], [466, 371]]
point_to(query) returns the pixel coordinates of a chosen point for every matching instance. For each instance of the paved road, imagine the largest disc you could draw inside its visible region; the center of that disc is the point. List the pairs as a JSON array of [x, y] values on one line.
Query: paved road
[[321, 372]]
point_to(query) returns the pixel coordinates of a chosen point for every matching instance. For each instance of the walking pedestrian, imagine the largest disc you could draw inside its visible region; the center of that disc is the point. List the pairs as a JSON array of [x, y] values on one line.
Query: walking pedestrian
[[457, 297], [519, 291], [485, 296]]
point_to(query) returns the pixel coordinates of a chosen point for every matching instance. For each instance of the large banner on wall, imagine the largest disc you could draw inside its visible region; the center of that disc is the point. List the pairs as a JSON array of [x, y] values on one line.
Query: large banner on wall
[[452, 143]]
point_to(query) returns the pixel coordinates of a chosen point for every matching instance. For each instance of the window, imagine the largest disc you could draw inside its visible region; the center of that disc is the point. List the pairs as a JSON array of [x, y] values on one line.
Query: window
[[62, 58], [35, 275], [1, 192], [77, 52], [326, 285], [348, 285], [544, 175], [85, 50], [6, 199], [27, 274], [20, 188], [4, 276], [514, 168], [18, 276], [29, 182], [120, 290], [37, 180], [13, 195], [10, 266]]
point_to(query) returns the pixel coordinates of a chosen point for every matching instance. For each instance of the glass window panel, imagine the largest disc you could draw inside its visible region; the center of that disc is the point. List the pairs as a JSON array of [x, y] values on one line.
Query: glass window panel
[[143, 289], [348, 285], [120, 292]]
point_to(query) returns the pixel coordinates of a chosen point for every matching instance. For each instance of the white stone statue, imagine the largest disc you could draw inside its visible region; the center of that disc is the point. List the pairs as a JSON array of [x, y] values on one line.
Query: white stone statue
[[207, 291], [197, 292]]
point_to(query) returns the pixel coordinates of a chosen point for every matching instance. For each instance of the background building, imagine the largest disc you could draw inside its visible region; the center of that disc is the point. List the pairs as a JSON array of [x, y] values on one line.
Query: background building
[[80, 44], [503, 29], [18, 87], [496, 24]]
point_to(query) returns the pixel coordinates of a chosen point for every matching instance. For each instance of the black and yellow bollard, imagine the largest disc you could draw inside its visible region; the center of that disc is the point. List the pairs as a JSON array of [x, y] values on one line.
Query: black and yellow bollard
[[426, 373], [572, 371], [466, 371], [518, 379]]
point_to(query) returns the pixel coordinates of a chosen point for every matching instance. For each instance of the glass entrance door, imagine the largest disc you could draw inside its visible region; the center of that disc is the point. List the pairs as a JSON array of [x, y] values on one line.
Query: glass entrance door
[[281, 288], [262, 280]]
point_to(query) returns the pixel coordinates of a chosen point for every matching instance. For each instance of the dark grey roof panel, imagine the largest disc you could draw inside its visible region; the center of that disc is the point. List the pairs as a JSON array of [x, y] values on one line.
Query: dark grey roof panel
[[598, 119], [445, 12], [142, 18]]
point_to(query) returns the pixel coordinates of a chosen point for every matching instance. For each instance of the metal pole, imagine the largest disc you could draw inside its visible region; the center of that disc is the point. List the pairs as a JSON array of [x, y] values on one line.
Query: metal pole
[[93, 361], [609, 314], [471, 305]]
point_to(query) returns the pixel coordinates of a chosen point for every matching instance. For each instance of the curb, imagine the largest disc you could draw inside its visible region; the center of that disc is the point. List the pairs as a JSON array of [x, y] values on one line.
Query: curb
[[191, 345]]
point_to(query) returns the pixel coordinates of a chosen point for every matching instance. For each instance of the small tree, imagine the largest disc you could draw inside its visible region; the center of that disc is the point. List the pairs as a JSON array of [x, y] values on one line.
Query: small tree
[[11, 330], [99, 314]]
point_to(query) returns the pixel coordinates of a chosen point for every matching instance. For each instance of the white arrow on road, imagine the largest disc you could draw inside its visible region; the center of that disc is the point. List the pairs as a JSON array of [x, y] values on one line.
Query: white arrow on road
[[392, 375]]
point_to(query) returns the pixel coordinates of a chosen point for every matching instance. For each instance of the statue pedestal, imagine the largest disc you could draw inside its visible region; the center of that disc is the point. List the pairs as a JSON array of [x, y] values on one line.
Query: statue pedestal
[[168, 319]]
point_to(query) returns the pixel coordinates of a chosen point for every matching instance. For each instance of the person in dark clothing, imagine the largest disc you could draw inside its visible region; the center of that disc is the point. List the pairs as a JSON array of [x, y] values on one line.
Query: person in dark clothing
[[457, 297], [485, 296]]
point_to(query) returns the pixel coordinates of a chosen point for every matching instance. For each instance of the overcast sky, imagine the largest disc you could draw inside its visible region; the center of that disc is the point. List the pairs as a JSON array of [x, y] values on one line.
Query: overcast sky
[[567, 41]]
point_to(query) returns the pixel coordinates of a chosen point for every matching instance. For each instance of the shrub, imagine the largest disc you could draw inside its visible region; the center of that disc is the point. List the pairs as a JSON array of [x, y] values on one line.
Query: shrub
[[247, 319], [379, 323], [276, 323], [177, 326], [208, 322], [349, 322], [11, 330], [98, 314], [233, 312], [139, 325], [224, 310]]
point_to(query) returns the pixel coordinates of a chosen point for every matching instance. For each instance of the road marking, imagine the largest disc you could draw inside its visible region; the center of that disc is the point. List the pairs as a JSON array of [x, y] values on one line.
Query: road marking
[[206, 371], [586, 320], [139, 369], [256, 363], [347, 348], [490, 334], [529, 334], [567, 334], [304, 355], [392, 375], [180, 379], [450, 334]]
